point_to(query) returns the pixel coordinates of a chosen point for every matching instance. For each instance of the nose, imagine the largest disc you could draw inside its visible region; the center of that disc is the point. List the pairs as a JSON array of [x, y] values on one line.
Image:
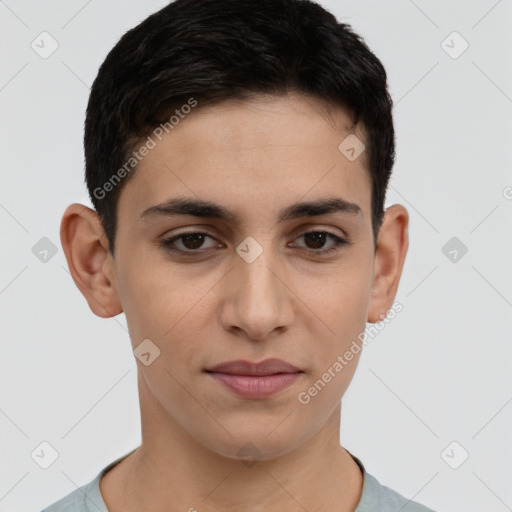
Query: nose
[[257, 299]]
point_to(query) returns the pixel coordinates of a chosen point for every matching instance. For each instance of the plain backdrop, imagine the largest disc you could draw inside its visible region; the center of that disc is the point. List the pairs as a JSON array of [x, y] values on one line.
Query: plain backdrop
[[434, 386]]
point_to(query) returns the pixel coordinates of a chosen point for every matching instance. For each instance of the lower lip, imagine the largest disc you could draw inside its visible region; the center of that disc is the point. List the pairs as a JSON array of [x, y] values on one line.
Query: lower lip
[[250, 386]]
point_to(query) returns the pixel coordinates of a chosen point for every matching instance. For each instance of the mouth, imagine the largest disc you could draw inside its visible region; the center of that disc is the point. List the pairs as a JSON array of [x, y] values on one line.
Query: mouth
[[255, 380]]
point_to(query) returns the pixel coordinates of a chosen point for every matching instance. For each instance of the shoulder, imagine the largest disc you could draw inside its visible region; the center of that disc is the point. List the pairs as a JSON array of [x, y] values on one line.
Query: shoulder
[[376, 497], [83, 499], [66, 504], [379, 498], [87, 498]]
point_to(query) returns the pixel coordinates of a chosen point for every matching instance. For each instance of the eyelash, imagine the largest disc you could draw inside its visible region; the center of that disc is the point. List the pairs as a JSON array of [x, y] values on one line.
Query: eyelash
[[338, 243]]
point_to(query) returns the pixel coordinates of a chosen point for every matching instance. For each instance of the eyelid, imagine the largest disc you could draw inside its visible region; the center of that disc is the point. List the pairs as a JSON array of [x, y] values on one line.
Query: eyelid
[[323, 229], [304, 230], [167, 241]]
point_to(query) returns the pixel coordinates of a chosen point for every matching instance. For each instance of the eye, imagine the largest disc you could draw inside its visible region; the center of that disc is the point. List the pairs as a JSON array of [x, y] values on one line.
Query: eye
[[317, 239], [192, 242]]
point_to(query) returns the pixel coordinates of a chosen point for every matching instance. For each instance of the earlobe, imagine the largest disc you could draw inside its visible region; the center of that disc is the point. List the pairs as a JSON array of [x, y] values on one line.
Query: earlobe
[[392, 245], [89, 260]]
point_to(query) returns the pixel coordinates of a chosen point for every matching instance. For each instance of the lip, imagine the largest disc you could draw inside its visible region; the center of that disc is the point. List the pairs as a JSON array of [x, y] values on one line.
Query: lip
[[265, 367], [250, 386], [256, 380]]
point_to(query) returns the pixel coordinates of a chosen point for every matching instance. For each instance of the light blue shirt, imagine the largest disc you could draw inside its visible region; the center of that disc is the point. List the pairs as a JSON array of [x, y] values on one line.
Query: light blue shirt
[[374, 498]]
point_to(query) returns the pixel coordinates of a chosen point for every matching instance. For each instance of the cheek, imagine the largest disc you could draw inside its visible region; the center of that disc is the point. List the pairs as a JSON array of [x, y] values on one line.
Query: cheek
[[147, 291], [339, 299], [162, 301]]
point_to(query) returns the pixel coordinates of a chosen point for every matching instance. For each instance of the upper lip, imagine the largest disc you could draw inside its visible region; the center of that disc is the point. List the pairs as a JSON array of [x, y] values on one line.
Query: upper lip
[[266, 367]]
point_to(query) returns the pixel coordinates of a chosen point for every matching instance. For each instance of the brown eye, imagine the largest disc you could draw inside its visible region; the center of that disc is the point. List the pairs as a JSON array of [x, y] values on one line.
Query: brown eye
[[315, 241], [190, 242], [193, 241], [318, 239]]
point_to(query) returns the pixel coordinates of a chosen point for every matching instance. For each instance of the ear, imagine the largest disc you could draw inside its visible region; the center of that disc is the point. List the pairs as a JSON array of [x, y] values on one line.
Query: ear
[[91, 265], [392, 245]]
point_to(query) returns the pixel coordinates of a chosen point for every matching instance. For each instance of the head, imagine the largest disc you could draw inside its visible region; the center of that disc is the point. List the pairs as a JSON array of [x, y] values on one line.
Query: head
[[215, 118]]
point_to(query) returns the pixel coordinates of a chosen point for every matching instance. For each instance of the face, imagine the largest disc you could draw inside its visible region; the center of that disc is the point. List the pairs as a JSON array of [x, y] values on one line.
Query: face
[[253, 284]]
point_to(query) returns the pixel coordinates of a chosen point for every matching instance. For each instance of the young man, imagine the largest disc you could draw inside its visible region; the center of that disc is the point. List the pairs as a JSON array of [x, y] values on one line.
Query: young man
[[237, 156]]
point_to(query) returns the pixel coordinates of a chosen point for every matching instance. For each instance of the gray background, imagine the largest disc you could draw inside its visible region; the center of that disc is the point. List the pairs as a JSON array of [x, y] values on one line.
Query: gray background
[[438, 373]]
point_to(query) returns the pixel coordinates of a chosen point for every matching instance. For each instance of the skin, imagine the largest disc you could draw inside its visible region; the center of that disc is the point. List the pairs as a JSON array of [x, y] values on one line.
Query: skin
[[255, 157]]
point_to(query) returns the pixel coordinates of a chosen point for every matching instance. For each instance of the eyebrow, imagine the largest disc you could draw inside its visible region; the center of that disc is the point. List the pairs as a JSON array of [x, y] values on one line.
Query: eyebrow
[[207, 209]]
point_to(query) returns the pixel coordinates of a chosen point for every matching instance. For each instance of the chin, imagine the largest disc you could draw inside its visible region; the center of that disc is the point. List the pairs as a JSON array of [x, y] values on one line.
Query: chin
[[253, 444]]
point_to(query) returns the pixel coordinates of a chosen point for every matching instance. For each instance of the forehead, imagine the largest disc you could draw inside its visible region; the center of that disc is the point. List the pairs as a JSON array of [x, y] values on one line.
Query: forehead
[[267, 151]]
